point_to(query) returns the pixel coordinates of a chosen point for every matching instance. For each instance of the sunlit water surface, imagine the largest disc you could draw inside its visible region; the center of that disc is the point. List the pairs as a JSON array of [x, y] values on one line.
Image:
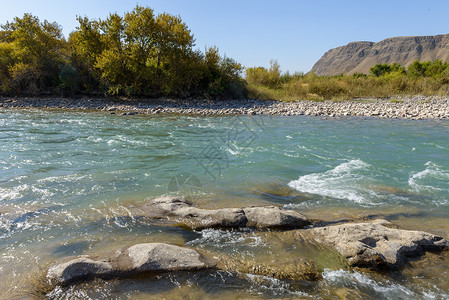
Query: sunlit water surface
[[67, 180]]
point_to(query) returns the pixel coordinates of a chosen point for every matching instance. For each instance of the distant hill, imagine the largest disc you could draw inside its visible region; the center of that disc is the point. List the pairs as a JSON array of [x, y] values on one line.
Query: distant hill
[[359, 57]]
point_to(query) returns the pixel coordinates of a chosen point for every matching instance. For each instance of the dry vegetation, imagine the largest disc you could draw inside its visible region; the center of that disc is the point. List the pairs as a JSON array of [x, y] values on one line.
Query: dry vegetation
[[426, 78]]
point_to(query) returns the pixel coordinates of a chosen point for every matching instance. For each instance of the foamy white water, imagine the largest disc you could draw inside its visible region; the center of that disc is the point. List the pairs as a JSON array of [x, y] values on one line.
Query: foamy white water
[[432, 178], [346, 181]]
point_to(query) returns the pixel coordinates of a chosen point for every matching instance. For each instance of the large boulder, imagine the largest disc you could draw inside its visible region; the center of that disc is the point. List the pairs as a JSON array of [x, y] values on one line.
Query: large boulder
[[146, 258], [377, 244], [274, 217], [195, 218]]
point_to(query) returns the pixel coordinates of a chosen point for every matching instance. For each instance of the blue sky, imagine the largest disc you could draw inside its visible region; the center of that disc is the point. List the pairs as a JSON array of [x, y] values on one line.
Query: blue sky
[[296, 33]]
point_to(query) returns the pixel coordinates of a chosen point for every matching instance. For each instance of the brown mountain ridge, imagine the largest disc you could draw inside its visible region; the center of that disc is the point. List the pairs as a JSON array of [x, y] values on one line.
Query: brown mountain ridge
[[359, 57]]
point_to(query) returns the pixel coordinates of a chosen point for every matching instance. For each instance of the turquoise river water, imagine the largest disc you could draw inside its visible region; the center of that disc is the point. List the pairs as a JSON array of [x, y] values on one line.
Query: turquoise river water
[[67, 180]]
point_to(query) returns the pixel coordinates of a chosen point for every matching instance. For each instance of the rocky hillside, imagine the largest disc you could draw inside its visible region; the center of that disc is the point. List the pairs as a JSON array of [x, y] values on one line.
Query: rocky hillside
[[359, 57]]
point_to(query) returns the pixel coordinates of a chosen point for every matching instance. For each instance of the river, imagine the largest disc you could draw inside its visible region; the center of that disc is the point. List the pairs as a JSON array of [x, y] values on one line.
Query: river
[[67, 180]]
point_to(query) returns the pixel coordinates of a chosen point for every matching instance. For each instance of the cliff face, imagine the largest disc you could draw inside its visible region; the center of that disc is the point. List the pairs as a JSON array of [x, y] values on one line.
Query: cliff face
[[359, 57]]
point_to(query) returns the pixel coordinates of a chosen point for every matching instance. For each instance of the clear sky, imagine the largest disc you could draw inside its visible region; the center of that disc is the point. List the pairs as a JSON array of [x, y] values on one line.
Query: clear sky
[[296, 33]]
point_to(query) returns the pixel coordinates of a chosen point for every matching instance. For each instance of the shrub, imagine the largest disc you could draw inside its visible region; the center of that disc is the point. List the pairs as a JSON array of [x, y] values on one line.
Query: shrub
[[380, 69], [262, 76], [418, 69]]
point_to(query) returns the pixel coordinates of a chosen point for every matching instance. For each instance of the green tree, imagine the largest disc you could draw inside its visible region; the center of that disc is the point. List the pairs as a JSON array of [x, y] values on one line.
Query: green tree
[[138, 54], [211, 82], [86, 45], [221, 76], [36, 57], [113, 60], [174, 43], [141, 47], [274, 72], [7, 60]]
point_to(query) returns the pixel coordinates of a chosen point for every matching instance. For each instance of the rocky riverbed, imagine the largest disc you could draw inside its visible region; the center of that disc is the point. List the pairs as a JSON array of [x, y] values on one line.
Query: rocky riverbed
[[407, 107], [377, 245]]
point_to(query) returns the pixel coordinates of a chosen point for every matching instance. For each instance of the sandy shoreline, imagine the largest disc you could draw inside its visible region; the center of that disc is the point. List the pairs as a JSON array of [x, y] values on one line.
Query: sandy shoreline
[[409, 107]]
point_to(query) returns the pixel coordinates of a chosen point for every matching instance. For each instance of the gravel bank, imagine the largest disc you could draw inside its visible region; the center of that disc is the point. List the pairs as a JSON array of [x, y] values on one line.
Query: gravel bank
[[412, 107]]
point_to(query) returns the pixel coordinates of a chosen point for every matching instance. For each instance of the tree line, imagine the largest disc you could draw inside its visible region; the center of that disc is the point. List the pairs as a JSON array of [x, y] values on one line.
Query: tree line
[[135, 54]]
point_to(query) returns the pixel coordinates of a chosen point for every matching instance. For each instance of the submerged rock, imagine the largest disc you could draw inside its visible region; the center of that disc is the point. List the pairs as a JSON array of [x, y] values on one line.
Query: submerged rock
[[376, 244], [130, 261], [346, 293], [197, 218], [298, 269]]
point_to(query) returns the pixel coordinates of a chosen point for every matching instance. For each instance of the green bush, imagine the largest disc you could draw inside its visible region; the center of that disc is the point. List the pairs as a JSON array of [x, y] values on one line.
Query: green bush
[[418, 69], [380, 69]]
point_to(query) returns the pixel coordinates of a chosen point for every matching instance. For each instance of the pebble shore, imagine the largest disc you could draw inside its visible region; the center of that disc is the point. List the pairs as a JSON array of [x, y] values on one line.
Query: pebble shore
[[409, 107]]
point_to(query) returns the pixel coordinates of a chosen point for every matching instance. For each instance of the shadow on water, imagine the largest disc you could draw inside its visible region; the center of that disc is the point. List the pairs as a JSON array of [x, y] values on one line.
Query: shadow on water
[[32, 214], [12, 220]]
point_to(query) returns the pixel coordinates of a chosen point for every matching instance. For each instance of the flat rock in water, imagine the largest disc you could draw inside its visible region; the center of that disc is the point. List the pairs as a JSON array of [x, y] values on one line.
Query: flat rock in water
[[162, 257], [197, 218], [215, 218], [163, 206], [375, 244], [274, 217], [193, 217], [146, 258]]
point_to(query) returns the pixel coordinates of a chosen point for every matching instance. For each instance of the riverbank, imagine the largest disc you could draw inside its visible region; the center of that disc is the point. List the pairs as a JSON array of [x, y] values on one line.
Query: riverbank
[[408, 107]]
